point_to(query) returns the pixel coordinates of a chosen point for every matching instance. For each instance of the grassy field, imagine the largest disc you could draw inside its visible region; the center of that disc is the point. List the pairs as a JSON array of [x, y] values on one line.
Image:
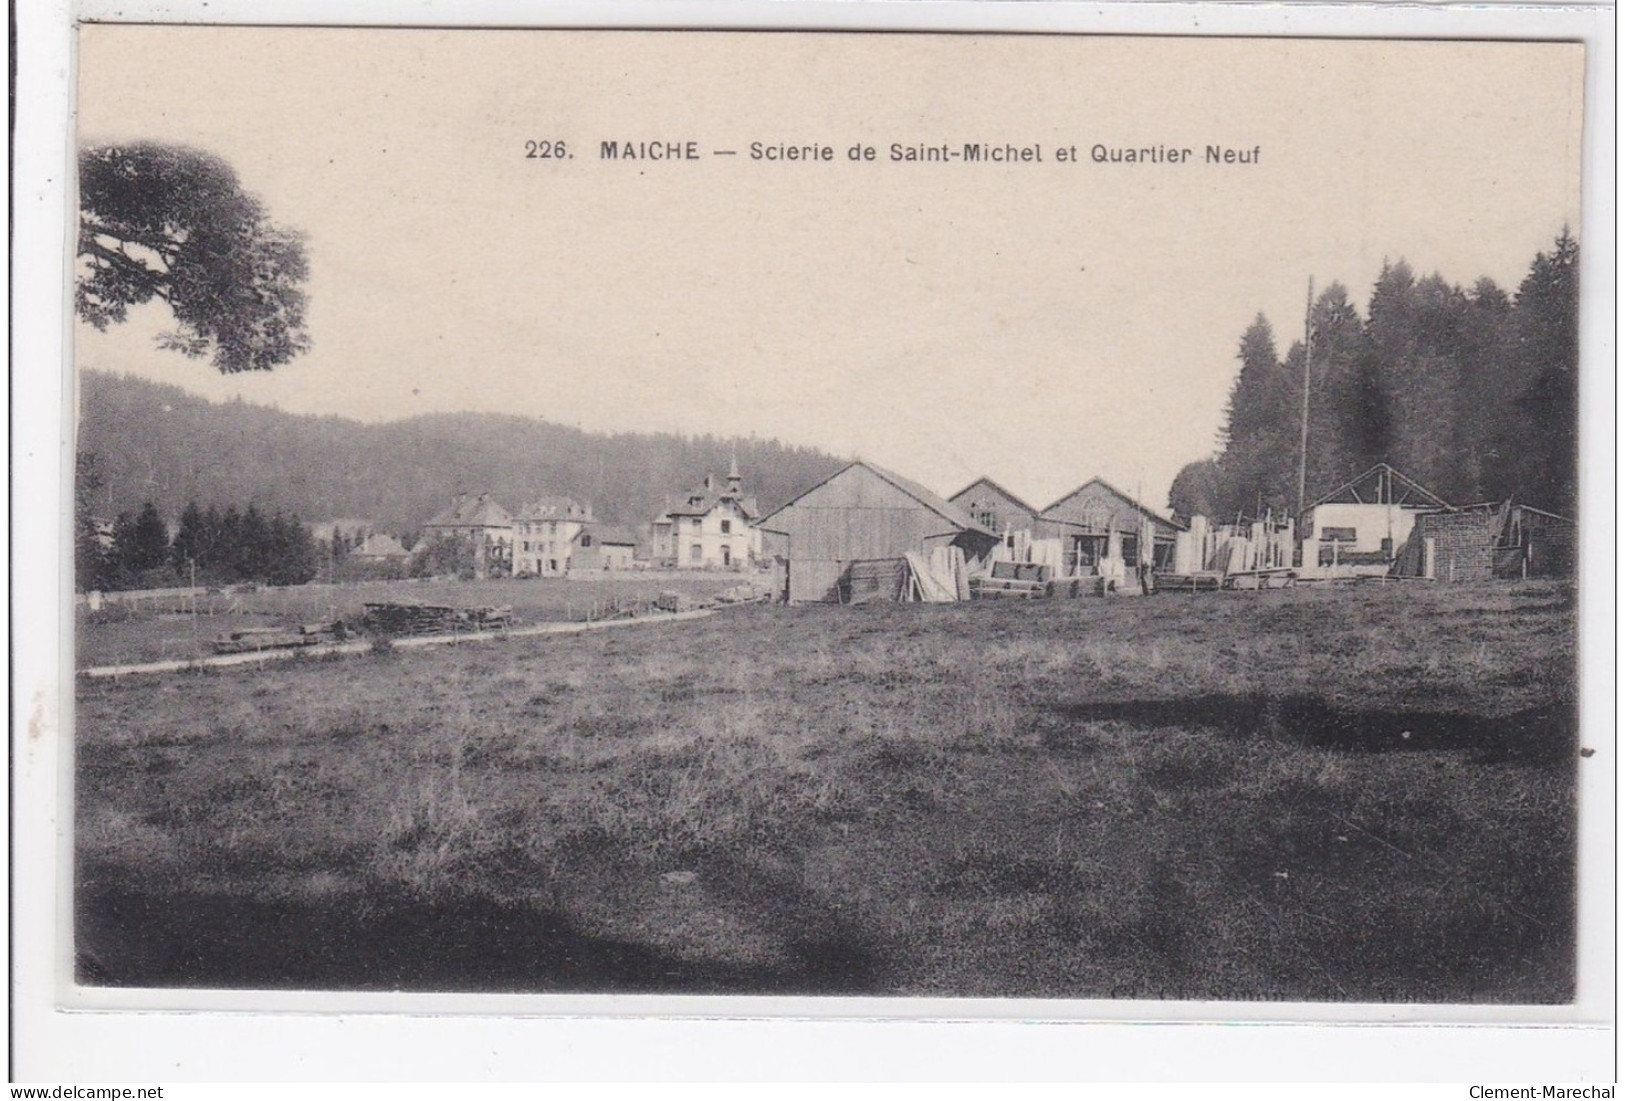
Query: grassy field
[[1358, 793], [181, 628]]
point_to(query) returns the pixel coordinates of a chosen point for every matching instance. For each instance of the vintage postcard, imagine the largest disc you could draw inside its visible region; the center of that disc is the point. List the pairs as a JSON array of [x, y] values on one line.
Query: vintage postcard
[[899, 516]]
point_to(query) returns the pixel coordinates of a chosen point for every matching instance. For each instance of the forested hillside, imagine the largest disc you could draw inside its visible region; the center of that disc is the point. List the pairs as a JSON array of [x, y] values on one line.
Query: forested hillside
[[160, 444], [1469, 391]]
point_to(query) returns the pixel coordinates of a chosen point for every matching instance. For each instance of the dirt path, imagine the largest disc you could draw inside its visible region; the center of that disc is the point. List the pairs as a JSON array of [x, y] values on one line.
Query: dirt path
[[260, 657]]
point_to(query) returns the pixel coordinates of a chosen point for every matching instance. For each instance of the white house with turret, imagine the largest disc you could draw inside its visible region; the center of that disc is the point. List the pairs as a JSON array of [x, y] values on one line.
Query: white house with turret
[[713, 527]]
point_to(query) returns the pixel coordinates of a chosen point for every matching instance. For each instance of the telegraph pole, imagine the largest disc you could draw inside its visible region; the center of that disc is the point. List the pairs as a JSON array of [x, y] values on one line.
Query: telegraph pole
[[1303, 433]]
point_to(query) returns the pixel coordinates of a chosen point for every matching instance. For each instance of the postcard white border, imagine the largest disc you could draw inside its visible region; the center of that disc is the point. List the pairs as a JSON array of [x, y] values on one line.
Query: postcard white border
[[74, 1035]]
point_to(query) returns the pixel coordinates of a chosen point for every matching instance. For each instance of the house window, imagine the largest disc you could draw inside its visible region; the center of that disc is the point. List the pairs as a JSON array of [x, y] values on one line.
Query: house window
[[694, 553], [586, 540], [696, 523], [727, 527], [1337, 535], [727, 556]]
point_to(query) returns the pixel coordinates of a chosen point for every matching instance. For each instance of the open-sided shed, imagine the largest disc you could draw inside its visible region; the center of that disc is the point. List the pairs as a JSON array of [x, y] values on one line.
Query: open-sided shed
[[1360, 527], [1102, 527], [863, 513]]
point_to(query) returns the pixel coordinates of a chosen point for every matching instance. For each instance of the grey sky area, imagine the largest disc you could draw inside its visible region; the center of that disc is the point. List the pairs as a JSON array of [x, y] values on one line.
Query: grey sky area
[[1041, 322]]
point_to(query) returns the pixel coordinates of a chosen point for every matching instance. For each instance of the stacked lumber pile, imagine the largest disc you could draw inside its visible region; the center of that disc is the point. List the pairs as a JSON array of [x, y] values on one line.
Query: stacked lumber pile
[[251, 639], [428, 619], [1205, 581], [931, 581], [743, 593], [674, 602], [875, 579], [1015, 580]]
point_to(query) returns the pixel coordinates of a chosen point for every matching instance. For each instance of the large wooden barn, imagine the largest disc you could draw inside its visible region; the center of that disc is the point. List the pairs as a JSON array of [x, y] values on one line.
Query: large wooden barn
[[867, 515]]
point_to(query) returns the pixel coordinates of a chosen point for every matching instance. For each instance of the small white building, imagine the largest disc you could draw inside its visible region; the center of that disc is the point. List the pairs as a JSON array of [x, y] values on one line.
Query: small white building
[[713, 528], [607, 548], [547, 533]]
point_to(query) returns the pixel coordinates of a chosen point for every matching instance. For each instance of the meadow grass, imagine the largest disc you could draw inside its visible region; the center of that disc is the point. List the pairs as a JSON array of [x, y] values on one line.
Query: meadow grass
[[1355, 794], [179, 628]]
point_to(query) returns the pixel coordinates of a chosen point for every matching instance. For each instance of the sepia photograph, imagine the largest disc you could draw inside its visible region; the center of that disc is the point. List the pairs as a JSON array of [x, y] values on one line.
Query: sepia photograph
[[954, 516]]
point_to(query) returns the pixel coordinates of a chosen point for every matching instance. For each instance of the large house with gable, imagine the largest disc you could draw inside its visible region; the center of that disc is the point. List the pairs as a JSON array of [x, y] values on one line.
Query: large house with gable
[[484, 524], [548, 533]]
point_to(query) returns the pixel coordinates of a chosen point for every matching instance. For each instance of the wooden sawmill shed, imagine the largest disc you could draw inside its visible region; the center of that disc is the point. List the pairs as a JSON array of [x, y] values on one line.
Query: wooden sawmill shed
[[1098, 522], [995, 508], [862, 515]]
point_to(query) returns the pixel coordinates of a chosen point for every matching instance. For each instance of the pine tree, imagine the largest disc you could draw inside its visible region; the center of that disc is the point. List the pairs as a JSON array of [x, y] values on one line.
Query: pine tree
[[1545, 346], [185, 549], [1256, 468], [151, 541], [1345, 420], [91, 565]]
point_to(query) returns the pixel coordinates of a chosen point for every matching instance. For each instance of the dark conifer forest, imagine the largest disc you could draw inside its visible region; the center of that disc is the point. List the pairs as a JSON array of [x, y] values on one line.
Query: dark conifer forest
[[159, 444], [1470, 391]]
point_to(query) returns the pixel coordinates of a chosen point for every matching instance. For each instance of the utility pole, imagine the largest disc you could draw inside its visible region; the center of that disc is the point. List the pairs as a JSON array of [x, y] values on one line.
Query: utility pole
[[1303, 433]]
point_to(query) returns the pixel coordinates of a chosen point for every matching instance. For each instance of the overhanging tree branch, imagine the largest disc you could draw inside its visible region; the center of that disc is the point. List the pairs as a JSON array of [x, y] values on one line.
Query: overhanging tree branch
[[231, 278]]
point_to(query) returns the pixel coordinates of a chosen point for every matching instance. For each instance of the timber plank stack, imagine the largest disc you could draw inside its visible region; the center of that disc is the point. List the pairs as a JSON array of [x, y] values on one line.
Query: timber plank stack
[[429, 619], [252, 639], [1020, 581], [1205, 582]]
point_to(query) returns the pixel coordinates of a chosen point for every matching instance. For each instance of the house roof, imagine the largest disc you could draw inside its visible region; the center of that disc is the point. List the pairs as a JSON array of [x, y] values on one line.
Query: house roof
[[473, 512], [997, 488], [378, 545], [556, 508], [1151, 514], [617, 535], [946, 509], [707, 496], [1383, 479]]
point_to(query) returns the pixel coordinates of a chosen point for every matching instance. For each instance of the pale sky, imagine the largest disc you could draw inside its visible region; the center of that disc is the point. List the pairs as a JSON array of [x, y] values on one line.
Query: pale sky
[[1042, 323]]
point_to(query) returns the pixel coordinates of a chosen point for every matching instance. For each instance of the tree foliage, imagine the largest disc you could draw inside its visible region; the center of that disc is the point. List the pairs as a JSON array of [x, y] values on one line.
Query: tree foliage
[[1467, 391], [92, 565], [173, 223], [209, 547], [396, 475]]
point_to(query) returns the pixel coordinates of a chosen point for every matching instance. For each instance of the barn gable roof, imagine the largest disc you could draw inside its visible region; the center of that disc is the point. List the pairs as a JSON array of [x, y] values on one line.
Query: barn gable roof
[[943, 508], [996, 488], [1112, 490]]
